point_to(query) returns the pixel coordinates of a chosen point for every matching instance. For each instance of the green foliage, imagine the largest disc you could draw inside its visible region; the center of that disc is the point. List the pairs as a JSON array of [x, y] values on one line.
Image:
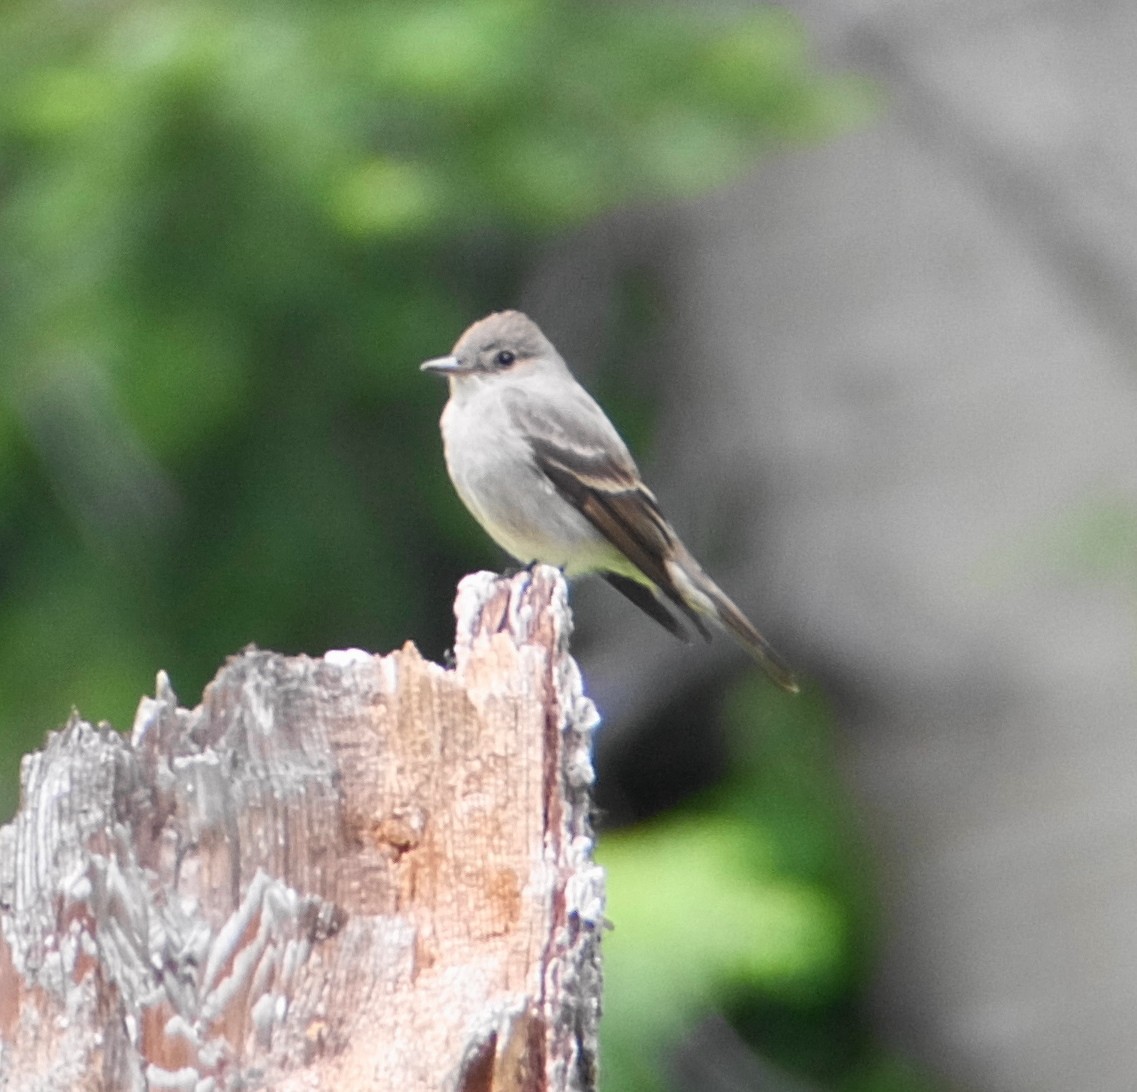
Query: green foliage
[[753, 902], [756, 903], [1097, 539], [701, 908]]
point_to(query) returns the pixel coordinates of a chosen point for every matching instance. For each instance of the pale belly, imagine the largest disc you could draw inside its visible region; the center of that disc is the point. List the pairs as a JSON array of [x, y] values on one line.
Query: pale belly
[[520, 509], [531, 521]]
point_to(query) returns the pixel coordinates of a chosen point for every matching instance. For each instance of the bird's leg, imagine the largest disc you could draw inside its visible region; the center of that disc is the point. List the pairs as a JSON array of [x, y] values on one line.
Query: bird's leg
[[529, 570], [516, 570], [510, 571]]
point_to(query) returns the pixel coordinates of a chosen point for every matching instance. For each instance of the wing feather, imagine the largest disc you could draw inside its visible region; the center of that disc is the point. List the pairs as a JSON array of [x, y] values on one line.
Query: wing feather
[[605, 488]]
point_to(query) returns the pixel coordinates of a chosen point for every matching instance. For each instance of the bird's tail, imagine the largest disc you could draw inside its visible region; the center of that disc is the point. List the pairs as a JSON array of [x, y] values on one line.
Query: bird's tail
[[702, 594]]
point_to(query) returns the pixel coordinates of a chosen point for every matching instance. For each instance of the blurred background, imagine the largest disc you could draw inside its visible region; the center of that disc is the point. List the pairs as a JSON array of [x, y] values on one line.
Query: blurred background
[[856, 280]]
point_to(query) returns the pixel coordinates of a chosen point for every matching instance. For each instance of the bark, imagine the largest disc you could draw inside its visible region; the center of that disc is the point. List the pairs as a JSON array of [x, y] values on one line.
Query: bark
[[352, 872]]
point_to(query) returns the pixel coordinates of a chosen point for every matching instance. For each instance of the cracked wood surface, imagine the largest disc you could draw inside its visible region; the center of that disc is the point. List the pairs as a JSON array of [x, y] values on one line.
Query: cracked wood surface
[[354, 872]]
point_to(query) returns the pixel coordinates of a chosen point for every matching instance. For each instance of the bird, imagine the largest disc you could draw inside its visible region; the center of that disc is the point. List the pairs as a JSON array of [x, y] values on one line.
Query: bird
[[545, 473]]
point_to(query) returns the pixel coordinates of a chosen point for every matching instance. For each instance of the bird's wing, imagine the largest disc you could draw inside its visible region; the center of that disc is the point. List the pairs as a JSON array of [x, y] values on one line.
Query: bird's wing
[[591, 468]]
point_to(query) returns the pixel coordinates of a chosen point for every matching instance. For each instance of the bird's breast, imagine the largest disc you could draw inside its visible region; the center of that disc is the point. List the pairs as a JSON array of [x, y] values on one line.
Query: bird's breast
[[494, 473]]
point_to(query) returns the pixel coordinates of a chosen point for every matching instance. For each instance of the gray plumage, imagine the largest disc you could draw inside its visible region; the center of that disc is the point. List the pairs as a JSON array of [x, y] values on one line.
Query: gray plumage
[[543, 470]]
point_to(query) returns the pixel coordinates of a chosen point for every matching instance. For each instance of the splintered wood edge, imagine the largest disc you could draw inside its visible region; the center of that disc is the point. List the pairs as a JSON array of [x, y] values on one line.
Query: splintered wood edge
[[365, 872]]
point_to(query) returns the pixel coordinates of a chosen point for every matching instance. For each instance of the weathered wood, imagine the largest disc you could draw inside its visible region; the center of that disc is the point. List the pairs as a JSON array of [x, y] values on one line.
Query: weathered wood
[[351, 873]]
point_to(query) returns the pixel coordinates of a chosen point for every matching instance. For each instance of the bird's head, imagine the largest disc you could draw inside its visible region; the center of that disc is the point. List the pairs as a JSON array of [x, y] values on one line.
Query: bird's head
[[504, 343]]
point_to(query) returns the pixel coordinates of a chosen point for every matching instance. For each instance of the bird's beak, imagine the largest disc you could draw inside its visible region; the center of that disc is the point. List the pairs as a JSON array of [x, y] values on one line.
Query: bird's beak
[[443, 365]]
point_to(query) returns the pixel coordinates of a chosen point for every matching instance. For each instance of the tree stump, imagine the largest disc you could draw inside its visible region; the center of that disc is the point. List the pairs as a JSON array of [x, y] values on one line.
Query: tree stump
[[354, 873]]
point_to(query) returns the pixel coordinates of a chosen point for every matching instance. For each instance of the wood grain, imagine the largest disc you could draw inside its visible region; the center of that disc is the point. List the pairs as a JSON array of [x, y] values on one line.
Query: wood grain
[[353, 872]]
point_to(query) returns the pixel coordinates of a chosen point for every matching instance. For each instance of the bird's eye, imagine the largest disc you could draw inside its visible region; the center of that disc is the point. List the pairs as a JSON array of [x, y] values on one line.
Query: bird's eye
[[504, 358]]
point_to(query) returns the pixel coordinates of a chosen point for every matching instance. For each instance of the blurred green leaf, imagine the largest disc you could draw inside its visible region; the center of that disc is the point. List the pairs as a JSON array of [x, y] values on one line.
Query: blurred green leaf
[[700, 907], [1100, 538]]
